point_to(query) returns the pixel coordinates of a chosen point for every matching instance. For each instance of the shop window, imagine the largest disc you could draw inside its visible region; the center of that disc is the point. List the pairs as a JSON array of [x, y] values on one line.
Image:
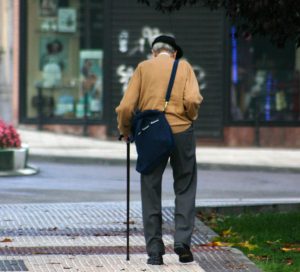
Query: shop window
[[64, 67], [265, 81]]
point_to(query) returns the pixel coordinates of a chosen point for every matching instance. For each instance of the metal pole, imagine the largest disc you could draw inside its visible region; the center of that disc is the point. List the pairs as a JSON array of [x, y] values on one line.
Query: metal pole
[[128, 196], [40, 104], [257, 115], [85, 122]]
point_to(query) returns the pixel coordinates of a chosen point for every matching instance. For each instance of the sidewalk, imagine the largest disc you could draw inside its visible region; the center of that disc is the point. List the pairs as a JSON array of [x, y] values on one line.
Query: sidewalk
[[50, 146], [90, 237]]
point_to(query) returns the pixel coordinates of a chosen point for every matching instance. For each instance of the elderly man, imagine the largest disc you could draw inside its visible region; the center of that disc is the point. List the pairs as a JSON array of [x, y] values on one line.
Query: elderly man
[[147, 90]]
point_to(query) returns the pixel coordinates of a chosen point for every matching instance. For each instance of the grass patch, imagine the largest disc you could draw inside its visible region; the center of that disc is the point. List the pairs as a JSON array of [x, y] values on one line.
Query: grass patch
[[271, 240]]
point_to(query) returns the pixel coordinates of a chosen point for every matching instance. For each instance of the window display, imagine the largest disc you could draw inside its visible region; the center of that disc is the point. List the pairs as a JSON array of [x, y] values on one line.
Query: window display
[[48, 7], [265, 82], [64, 64], [91, 81], [66, 20]]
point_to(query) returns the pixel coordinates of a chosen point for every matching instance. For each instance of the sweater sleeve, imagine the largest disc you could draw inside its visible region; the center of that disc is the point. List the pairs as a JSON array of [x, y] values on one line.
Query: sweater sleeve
[[129, 103], [192, 97]]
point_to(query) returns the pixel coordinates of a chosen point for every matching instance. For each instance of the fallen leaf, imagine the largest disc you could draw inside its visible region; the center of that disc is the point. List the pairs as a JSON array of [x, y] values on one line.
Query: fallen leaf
[[289, 261], [247, 245], [263, 258], [287, 249], [218, 244], [273, 242], [259, 258], [38, 253], [6, 240], [130, 222], [227, 232], [292, 245], [53, 229]]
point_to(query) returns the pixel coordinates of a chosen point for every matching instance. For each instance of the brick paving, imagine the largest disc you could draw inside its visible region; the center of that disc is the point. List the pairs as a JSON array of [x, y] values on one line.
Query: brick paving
[[91, 237]]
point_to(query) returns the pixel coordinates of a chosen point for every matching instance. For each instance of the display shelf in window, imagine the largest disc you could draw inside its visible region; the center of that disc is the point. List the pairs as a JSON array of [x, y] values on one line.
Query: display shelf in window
[[56, 100], [65, 22], [58, 33]]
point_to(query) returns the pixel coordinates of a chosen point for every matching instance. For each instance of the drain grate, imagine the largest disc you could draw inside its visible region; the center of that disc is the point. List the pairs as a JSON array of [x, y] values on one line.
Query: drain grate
[[12, 265]]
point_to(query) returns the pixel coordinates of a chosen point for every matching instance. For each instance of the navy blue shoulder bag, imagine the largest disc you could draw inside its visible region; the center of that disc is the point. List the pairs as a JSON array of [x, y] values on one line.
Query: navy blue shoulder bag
[[152, 134]]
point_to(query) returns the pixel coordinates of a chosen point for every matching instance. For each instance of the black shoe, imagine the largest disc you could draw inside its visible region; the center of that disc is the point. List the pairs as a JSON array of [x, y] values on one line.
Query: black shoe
[[184, 253], [155, 259]]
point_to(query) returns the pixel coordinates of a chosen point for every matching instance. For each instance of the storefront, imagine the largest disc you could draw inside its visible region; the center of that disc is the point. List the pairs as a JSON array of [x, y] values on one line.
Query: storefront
[[264, 98], [77, 57], [61, 65]]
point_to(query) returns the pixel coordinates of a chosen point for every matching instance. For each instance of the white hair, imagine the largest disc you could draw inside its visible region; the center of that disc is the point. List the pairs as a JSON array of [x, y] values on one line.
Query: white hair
[[157, 47]]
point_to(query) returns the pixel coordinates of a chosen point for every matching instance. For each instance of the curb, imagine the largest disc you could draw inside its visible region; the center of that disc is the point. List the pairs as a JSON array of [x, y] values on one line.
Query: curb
[[250, 208], [202, 166]]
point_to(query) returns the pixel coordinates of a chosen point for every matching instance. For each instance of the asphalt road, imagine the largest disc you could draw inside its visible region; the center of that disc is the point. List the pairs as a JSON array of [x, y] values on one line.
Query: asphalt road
[[66, 182]]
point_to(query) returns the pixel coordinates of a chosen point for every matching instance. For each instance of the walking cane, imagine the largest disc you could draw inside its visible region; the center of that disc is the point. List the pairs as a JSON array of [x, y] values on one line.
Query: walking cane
[[128, 195]]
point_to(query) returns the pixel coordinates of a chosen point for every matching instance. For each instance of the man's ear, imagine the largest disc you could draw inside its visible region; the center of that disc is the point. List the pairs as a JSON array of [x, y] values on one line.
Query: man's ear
[[153, 53]]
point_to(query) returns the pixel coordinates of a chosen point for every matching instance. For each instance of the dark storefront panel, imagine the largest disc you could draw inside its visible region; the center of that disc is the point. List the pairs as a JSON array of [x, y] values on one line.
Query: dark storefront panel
[[265, 82], [199, 32]]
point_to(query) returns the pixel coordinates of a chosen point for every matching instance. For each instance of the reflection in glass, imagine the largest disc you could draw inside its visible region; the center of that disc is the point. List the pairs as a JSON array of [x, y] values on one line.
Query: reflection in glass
[[264, 80]]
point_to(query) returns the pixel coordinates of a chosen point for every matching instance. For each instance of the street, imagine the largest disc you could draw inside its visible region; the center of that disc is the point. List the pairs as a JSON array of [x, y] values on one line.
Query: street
[[66, 182]]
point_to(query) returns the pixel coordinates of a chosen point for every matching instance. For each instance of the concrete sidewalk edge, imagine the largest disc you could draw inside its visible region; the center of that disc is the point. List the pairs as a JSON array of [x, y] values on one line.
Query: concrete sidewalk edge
[[28, 171], [203, 166], [250, 208]]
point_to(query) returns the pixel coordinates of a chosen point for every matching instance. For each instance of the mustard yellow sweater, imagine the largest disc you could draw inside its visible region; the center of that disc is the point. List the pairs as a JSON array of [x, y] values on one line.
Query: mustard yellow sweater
[[147, 90]]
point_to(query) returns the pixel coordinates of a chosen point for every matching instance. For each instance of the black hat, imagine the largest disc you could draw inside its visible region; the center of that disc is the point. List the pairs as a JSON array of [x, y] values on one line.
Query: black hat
[[171, 41]]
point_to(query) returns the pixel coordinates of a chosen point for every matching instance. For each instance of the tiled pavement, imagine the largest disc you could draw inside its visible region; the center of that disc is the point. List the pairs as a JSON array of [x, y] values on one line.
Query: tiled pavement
[[91, 237]]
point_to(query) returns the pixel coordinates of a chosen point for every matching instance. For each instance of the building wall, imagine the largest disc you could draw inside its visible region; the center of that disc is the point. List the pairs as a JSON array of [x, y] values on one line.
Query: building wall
[[267, 136], [16, 61], [6, 59]]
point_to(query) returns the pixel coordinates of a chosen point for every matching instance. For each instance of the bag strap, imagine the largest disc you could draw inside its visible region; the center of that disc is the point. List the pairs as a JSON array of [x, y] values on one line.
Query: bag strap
[[171, 83]]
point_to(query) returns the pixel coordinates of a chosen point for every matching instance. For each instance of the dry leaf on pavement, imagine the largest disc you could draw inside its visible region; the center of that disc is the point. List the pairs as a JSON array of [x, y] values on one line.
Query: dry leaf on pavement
[[6, 240]]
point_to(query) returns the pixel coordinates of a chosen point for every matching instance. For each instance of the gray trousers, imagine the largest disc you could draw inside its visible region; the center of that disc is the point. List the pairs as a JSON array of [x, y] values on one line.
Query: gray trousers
[[183, 163]]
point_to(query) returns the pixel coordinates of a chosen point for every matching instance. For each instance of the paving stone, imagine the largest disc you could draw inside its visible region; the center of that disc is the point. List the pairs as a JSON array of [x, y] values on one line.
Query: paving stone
[[109, 263], [223, 259], [79, 241], [12, 265], [91, 237]]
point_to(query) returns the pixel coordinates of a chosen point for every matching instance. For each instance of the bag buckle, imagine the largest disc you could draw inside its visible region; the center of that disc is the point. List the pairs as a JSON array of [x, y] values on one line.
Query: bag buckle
[[166, 104]]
